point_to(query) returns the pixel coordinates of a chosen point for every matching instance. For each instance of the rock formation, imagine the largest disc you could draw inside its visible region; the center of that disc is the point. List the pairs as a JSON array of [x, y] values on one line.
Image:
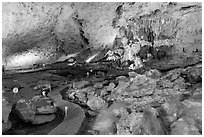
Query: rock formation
[[43, 32]]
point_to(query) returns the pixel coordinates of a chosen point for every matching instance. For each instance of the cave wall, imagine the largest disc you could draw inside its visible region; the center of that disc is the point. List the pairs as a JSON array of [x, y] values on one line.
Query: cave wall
[[43, 32]]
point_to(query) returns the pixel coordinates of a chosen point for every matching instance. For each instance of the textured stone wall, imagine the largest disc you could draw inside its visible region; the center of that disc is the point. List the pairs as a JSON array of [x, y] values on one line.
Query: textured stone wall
[[49, 30]]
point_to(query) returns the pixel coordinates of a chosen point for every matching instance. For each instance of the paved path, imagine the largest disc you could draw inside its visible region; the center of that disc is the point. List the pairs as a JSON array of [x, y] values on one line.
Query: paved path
[[72, 122]]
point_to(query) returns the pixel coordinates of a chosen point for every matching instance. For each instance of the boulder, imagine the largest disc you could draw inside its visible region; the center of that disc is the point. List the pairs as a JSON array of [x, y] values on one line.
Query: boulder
[[80, 84], [25, 110], [40, 119], [194, 74], [81, 97], [152, 124], [173, 74], [184, 126], [122, 78], [197, 94], [98, 85], [46, 110], [193, 109], [165, 83], [37, 105], [153, 73], [105, 123], [122, 86], [43, 105], [96, 103], [132, 74], [110, 87], [173, 109], [142, 86], [180, 84], [133, 121]]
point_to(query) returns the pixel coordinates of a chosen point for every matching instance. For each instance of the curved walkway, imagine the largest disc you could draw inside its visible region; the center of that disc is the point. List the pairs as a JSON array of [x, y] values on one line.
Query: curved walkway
[[72, 122]]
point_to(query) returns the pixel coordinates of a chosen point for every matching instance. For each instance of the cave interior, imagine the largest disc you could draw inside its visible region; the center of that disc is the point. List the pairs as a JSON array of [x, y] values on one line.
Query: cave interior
[[102, 68]]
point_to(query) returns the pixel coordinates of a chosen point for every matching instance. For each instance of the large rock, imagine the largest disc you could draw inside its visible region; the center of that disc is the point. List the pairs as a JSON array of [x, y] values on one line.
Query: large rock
[[193, 109], [133, 121], [80, 84], [194, 74], [43, 105], [80, 95], [153, 73], [46, 110], [25, 110], [152, 123], [184, 126], [37, 105], [173, 109], [142, 86], [123, 84], [197, 94], [105, 123], [110, 87], [40, 119], [96, 103]]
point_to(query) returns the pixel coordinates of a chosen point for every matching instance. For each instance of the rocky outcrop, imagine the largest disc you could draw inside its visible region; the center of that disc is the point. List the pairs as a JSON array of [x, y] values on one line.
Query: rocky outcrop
[[38, 110], [157, 102], [99, 44], [25, 110], [69, 27]]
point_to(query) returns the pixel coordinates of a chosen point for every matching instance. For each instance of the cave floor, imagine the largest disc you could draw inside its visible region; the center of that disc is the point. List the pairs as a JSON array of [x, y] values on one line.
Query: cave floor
[[99, 96]]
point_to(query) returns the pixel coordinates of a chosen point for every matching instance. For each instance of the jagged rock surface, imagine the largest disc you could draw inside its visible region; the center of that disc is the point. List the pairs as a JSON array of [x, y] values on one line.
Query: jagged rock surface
[[69, 27], [108, 41], [35, 109]]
